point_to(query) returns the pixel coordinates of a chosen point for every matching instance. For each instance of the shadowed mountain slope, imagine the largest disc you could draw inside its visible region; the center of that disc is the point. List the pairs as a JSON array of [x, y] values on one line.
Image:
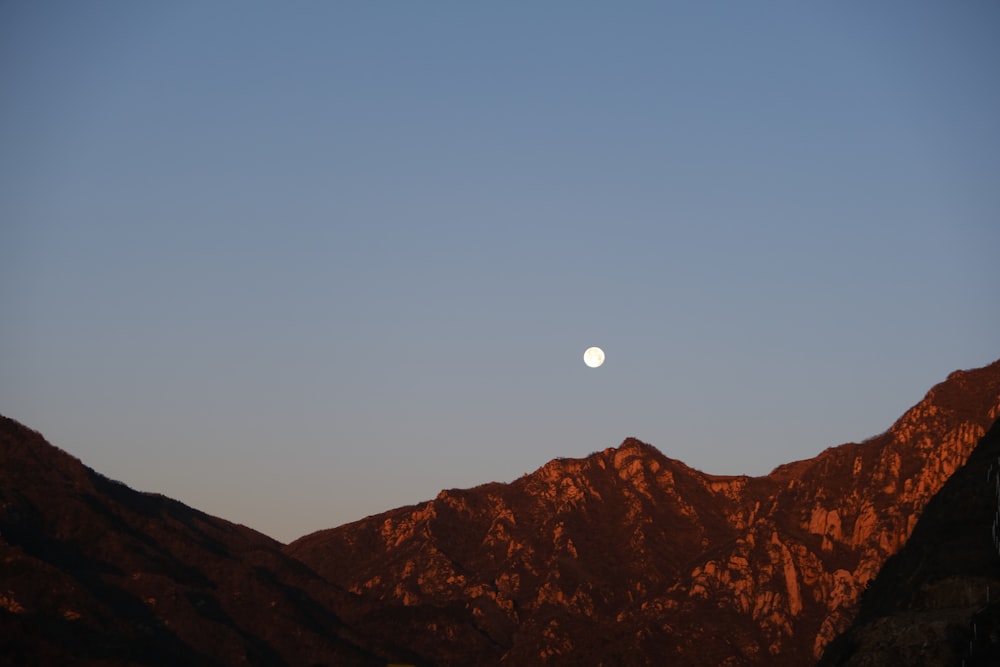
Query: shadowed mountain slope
[[94, 573], [937, 601], [628, 557]]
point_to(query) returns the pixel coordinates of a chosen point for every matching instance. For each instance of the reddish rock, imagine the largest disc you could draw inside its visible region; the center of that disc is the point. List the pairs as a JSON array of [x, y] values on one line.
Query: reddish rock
[[628, 557], [936, 603]]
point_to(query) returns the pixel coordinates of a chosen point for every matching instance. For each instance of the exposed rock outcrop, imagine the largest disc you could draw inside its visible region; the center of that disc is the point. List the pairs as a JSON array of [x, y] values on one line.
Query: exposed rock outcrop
[[936, 603]]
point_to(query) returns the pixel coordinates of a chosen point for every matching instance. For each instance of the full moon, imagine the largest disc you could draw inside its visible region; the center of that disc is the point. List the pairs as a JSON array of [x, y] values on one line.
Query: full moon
[[593, 357]]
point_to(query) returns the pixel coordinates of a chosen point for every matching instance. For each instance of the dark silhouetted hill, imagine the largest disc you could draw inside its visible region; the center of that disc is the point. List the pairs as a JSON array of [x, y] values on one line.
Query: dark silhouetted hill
[[94, 573]]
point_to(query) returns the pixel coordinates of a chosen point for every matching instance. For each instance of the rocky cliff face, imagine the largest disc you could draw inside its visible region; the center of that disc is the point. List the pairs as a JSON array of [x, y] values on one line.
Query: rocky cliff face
[[936, 603], [628, 557]]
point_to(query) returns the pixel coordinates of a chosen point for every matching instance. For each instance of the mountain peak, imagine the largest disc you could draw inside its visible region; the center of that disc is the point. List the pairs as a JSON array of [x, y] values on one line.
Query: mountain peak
[[631, 443]]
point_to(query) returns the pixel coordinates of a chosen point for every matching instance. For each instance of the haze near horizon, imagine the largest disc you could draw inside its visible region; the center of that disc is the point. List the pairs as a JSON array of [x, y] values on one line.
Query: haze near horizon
[[296, 265]]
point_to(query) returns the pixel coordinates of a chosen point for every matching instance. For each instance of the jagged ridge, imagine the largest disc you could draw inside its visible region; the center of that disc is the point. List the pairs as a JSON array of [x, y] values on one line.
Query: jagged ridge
[[630, 557]]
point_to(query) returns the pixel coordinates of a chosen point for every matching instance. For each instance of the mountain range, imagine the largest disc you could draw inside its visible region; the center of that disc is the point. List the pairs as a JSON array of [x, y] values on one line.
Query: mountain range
[[623, 557]]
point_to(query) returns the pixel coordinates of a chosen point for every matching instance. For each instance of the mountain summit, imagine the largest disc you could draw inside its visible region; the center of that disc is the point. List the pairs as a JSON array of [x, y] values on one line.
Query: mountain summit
[[628, 557]]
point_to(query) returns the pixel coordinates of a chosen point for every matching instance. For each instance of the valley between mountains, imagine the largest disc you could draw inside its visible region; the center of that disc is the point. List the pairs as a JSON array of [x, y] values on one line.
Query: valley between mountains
[[624, 557]]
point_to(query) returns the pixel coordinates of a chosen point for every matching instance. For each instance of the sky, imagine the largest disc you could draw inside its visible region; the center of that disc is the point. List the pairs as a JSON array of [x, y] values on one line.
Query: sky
[[298, 263]]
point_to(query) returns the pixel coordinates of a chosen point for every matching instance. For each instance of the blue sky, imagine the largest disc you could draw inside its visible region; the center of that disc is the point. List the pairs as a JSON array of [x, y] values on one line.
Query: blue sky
[[298, 263]]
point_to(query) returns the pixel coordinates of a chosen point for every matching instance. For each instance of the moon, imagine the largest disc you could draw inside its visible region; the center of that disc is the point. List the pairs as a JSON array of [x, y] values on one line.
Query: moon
[[593, 357]]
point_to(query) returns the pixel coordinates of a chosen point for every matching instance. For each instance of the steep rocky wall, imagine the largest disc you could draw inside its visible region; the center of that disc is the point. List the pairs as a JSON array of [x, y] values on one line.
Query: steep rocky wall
[[936, 602]]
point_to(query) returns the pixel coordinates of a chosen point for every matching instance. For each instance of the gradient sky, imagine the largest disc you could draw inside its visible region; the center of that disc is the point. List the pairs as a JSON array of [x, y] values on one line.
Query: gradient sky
[[298, 263]]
